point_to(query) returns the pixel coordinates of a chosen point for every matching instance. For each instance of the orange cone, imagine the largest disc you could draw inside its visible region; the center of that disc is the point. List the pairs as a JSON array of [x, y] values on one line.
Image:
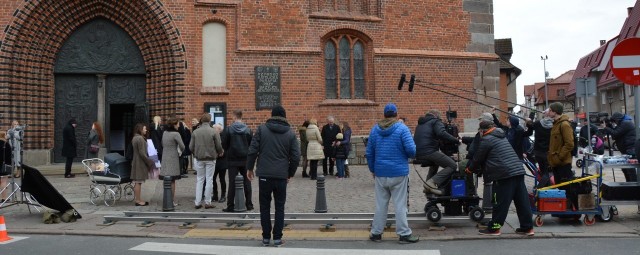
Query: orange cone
[[3, 231]]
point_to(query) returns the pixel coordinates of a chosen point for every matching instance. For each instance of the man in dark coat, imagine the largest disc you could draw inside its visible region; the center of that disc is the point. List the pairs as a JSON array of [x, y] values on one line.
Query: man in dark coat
[[277, 152], [328, 133], [542, 130], [624, 134], [502, 167], [514, 133], [429, 132], [236, 141], [69, 146]]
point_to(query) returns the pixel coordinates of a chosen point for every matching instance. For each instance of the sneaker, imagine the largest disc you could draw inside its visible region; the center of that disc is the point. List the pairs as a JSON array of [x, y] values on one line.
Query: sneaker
[[523, 231], [265, 242], [222, 199], [376, 238], [278, 243], [433, 187], [228, 209], [408, 239], [489, 232]]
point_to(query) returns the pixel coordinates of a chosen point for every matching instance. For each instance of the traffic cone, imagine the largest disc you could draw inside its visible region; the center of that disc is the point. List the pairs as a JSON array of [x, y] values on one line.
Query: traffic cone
[[3, 231]]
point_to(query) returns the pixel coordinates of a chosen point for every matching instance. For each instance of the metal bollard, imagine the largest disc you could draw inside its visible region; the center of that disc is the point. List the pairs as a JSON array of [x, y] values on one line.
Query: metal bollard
[[321, 198], [238, 200], [167, 197]]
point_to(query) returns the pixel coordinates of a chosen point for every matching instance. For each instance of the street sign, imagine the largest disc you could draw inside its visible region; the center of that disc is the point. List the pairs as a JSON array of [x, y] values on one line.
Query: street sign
[[586, 87], [625, 61]]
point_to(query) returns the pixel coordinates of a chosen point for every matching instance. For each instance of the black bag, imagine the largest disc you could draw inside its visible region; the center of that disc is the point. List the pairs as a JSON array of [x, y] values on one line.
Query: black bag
[[575, 189]]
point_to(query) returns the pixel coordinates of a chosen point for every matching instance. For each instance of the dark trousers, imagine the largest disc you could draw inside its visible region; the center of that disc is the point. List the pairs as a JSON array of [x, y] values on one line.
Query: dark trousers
[[277, 187], [505, 191], [67, 166], [313, 169], [324, 165], [184, 164], [543, 162], [233, 172], [562, 174], [220, 174]]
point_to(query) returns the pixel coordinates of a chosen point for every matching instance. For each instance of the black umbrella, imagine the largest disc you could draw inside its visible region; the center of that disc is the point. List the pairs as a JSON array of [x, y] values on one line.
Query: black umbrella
[[42, 190]]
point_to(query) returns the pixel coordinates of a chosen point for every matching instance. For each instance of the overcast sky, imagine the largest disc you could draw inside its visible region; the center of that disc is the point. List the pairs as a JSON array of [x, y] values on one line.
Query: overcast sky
[[564, 30]]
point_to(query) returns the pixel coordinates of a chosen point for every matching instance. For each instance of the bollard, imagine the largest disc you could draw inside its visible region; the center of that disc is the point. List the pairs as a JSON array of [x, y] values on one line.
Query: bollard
[[321, 198], [167, 198], [238, 200]]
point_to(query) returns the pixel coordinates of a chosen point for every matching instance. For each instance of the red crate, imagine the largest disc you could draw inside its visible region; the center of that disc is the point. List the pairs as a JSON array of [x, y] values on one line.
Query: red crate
[[552, 204]]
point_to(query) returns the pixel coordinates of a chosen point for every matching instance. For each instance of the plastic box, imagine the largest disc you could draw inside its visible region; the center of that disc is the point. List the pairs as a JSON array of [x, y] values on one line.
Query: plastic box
[[552, 204], [552, 193], [458, 188]]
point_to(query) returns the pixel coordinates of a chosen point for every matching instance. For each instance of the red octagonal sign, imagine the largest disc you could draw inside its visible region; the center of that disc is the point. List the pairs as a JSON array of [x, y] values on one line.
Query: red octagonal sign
[[625, 61]]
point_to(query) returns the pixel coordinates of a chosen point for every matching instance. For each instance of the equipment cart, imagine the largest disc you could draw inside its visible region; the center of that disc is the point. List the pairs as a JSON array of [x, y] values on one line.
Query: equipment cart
[[618, 192], [546, 202]]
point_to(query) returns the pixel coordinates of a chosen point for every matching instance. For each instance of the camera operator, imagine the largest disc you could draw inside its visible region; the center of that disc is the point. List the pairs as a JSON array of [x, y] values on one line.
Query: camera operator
[[622, 129], [428, 134]]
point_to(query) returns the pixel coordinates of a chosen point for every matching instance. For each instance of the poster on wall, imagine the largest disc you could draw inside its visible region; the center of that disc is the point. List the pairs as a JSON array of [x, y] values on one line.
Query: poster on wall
[[268, 93]]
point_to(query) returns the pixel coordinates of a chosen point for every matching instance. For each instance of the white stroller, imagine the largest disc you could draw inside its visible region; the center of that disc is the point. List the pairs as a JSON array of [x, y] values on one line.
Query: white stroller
[[106, 184]]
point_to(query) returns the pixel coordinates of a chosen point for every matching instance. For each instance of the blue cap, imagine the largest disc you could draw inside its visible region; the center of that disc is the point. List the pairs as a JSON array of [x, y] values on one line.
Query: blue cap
[[390, 108]]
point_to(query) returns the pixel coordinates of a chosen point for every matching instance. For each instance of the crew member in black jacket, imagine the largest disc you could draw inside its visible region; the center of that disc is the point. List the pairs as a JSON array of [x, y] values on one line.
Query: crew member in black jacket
[[624, 134], [502, 166]]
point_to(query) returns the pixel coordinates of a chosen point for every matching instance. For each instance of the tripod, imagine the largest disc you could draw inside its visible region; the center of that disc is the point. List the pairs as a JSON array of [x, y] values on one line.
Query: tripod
[[16, 135]]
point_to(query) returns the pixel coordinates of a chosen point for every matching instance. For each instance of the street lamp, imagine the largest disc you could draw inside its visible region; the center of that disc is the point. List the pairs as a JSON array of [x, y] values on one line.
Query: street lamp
[[546, 91]]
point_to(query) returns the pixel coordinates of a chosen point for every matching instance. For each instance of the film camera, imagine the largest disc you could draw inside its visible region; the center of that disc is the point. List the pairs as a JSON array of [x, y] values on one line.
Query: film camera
[[449, 148]]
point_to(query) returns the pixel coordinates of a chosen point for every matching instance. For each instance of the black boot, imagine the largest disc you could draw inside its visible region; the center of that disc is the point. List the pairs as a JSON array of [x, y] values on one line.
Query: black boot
[[304, 174]]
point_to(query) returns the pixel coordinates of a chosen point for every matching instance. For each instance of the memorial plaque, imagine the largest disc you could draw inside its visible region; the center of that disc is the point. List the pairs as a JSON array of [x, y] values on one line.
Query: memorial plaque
[[268, 93]]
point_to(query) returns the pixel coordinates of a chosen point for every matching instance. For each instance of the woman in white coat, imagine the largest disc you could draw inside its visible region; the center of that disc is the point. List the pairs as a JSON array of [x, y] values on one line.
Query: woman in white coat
[[314, 148]]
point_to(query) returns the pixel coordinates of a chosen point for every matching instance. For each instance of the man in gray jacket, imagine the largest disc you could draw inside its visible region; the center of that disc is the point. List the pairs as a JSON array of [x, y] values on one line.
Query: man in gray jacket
[[277, 151], [206, 148]]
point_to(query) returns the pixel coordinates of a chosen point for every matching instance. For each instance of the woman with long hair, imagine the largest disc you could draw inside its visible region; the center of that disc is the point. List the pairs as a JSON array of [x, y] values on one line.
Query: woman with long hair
[[95, 138], [314, 148], [141, 163], [172, 147]]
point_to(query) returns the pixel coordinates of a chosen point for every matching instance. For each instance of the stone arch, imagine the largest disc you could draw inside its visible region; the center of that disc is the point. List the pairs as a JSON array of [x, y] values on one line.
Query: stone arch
[[28, 53]]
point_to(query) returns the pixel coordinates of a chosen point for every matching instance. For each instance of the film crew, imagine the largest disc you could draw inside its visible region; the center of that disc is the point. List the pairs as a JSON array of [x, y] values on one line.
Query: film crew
[[15, 135], [236, 141], [5, 165], [275, 148], [541, 129], [514, 132], [622, 129], [328, 132], [560, 145], [389, 148], [502, 166], [69, 146], [427, 137]]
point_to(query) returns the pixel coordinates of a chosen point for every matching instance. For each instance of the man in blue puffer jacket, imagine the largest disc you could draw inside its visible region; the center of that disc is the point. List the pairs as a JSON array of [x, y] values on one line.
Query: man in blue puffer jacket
[[389, 147]]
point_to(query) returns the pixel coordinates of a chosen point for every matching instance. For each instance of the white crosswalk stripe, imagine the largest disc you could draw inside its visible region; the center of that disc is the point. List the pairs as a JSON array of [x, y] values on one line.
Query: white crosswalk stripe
[[241, 250]]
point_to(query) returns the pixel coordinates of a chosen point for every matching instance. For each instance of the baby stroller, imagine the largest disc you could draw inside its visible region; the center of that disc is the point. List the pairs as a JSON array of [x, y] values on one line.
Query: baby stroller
[[459, 200], [106, 179]]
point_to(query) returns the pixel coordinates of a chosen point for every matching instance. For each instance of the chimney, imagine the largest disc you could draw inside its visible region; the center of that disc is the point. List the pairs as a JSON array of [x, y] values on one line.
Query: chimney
[[602, 42], [629, 10]]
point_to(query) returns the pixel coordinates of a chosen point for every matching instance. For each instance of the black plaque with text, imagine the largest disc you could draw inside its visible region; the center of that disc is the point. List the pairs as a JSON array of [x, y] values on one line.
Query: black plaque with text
[[268, 93]]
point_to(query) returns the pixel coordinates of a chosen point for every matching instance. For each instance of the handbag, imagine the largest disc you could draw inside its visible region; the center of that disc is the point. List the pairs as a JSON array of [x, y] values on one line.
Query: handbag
[[94, 148]]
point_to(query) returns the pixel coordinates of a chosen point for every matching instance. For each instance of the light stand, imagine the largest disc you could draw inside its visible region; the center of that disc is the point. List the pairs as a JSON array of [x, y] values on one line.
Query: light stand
[[16, 137]]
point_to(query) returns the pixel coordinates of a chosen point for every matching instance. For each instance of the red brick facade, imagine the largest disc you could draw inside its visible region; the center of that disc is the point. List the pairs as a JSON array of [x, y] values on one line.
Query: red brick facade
[[432, 39]]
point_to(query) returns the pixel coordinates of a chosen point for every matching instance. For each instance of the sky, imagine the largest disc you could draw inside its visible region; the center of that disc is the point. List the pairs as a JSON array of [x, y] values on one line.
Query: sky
[[563, 30]]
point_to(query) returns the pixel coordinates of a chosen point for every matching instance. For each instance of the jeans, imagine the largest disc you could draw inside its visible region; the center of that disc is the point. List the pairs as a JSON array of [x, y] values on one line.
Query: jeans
[[340, 166], [231, 194], [395, 188], [277, 187], [505, 191], [205, 169]]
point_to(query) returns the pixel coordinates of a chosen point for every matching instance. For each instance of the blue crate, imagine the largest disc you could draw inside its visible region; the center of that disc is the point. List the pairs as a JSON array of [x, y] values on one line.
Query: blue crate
[[552, 193], [458, 188]]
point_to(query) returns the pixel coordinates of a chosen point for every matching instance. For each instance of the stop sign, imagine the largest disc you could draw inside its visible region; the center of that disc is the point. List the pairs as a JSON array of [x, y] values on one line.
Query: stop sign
[[625, 61]]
